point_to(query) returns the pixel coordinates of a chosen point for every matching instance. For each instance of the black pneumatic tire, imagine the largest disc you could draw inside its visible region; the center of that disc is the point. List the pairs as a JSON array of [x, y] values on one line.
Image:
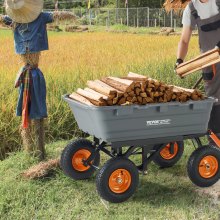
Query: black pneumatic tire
[[71, 151], [169, 162], [194, 164], [105, 175]]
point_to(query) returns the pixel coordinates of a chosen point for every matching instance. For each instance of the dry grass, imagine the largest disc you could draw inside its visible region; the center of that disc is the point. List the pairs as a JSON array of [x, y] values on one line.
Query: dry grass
[[41, 170], [75, 58]]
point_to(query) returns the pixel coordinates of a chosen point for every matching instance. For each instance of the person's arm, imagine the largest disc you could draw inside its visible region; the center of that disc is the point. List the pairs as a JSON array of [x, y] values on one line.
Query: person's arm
[[188, 26], [184, 43]]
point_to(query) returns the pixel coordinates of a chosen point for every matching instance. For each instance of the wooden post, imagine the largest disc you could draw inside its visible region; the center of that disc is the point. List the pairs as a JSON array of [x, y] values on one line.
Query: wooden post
[[171, 18], [108, 18], [90, 22], [174, 25], [164, 20], [127, 16], [148, 17]]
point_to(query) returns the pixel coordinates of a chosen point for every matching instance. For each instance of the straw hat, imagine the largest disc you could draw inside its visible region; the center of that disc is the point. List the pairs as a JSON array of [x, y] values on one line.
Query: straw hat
[[176, 5], [24, 11]]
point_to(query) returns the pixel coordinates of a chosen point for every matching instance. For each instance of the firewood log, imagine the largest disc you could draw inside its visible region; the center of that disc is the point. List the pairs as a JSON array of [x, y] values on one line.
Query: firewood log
[[98, 94], [134, 99], [116, 91], [101, 88], [137, 85], [110, 102], [126, 95], [143, 94], [122, 101], [137, 91], [140, 99], [135, 75], [80, 98], [131, 93], [123, 85], [115, 100], [129, 98], [93, 98]]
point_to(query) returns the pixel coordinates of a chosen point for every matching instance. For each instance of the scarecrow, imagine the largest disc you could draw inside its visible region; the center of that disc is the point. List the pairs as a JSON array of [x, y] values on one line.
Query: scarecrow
[[205, 14], [30, 35]]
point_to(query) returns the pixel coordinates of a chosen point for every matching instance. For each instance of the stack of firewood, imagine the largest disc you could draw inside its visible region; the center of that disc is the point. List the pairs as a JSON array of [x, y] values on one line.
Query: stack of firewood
[[132, 89]]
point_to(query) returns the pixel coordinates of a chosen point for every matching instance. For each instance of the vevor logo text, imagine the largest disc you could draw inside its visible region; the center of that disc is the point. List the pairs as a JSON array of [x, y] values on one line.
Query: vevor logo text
[[159, 122]]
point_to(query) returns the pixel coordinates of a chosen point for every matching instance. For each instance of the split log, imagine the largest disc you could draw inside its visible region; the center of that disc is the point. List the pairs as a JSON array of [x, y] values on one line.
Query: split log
[[204, 60], [140, 99], [101, 88], [137, 76], [110, 102], [122, 101], [123, 85], [118, 92], [98, 94], [138, 91], [143, 95], [93, 98], [80, 98]]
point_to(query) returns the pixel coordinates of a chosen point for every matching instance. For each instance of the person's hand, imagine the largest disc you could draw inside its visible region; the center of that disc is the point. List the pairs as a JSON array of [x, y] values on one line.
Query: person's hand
[[218, 45], [178, 62]]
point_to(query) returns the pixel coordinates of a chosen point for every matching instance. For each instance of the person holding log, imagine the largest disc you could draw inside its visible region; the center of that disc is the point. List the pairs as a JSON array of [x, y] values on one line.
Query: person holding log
[[205, 14], [28, 23]]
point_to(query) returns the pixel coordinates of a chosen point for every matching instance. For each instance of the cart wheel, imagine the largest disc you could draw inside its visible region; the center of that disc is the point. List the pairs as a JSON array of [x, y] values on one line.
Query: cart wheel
[[72, 159], [204, 166], [166, 159], [117, 180]]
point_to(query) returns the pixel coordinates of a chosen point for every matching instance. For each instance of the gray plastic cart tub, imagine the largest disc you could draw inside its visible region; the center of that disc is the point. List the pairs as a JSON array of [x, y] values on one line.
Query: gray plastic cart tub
[[138, 122]]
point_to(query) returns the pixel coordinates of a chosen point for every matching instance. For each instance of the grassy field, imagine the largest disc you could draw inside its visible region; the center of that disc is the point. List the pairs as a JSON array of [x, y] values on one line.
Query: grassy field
[[162, 194], [72, 60]]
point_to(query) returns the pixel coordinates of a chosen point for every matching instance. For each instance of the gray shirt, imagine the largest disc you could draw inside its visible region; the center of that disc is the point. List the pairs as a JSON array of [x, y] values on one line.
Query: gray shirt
[[205, 10]]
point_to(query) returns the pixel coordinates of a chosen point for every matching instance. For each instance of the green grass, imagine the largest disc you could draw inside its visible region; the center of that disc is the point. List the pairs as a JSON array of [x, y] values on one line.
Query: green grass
[[162, 194]]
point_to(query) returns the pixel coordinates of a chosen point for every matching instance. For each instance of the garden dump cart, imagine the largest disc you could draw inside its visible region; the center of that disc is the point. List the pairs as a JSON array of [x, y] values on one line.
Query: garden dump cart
[[155, 131]]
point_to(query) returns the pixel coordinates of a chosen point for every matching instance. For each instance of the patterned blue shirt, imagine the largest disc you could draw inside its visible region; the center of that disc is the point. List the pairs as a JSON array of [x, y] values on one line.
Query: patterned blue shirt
[[31, 37]]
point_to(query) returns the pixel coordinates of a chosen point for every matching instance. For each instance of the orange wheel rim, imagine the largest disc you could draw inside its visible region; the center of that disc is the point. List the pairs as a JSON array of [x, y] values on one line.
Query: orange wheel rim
[[165, 152], [77, 160], [208, 167], [120, 181]]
